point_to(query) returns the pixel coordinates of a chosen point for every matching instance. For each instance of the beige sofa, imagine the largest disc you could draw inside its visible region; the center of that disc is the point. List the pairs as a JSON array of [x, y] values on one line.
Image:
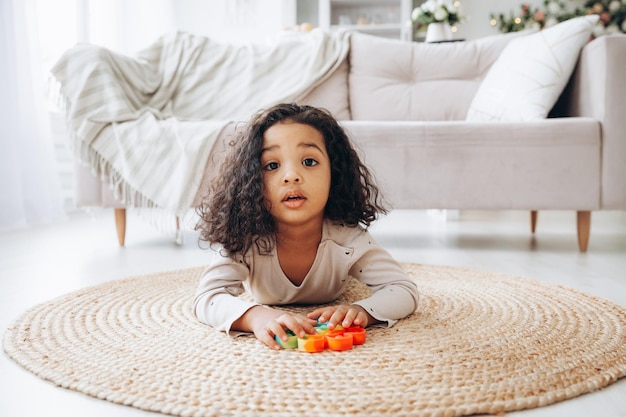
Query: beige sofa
[[405, 105]]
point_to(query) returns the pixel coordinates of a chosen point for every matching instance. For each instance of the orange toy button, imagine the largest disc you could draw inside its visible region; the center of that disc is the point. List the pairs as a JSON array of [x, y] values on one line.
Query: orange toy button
[[333, 333], [311, 343], [339, 341], [358, 335]]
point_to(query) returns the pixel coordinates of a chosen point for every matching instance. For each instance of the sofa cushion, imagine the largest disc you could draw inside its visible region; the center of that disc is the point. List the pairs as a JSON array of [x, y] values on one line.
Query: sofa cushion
[[332, 94], [542, 164], [526, 80], [398, 80]]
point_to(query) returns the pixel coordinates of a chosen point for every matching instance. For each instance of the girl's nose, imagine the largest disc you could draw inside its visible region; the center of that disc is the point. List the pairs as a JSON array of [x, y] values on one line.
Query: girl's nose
[[291, 176], [292, 179]]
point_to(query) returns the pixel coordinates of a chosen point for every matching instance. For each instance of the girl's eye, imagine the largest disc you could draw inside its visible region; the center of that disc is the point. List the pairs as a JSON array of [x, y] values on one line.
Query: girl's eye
[[309, 162], [271, 166]]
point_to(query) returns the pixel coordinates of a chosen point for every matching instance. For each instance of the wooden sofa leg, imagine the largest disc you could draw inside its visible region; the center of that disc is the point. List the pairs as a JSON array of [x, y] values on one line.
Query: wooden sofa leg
[[179, 233], [533, 221], [120, 225], [583, 220]]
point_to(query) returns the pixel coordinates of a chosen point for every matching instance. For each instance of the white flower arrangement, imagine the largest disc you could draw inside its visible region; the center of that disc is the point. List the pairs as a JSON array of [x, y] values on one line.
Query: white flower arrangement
[[437, 11]]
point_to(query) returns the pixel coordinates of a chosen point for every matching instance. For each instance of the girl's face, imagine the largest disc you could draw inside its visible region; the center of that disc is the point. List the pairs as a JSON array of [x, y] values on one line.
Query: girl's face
[[296, 174]]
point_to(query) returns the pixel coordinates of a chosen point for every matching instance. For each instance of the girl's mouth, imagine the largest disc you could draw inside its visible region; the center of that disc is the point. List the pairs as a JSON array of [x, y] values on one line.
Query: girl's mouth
[[293, 200], [293, 195]]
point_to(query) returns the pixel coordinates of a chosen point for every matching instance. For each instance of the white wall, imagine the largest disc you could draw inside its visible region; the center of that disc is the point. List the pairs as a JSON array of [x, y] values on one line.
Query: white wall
[[234, 21], [128, 26]]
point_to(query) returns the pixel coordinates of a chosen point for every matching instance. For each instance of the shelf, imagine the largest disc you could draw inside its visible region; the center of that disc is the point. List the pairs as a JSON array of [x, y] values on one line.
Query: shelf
[[361, 3], [385, 27], [386, 18]]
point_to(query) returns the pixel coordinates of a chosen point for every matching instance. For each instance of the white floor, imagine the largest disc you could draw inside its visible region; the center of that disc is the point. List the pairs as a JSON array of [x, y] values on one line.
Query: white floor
[[41, 263]]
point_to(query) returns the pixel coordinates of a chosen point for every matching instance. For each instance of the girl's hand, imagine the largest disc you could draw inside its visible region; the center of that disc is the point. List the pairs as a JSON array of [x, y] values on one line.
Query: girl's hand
[[267, 322], [346, 315]]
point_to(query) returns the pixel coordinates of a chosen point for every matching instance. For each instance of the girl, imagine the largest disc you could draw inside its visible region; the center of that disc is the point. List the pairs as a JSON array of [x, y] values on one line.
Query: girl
[[289, 212]]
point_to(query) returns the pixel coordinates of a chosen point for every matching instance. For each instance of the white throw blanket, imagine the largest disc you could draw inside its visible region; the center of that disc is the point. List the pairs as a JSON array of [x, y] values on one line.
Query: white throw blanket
[[148, 123]]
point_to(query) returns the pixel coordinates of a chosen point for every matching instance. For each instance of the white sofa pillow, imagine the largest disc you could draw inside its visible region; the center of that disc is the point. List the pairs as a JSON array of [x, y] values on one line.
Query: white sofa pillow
[[390, 79], [526, 80]]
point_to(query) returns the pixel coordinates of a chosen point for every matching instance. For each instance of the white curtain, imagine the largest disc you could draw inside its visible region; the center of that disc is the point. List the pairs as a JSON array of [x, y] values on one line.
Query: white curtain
[[129, 26], [30, 191]]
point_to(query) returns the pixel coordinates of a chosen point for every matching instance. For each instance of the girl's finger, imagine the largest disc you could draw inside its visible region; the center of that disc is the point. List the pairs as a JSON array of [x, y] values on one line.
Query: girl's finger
[[315, 314], [360, 319], [322, 314], [309, 326], [294, 323], [268, 340], [351, 315], [336, 318], [274, 328]]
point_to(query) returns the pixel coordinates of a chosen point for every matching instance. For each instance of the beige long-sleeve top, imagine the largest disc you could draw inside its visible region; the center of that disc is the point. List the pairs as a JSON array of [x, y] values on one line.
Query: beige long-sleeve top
[[342, 252]]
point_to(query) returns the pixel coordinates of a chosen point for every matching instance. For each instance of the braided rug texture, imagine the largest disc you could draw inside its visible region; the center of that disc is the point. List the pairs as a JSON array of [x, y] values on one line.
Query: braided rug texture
[[480, 342]]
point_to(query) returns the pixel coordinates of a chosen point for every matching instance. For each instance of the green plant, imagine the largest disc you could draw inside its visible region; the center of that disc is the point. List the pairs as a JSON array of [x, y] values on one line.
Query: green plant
[[612, 16], [528, 17]]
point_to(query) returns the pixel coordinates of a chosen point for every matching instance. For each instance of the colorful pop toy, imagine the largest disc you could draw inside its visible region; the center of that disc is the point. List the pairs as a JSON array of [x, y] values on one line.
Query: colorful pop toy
[[337, 339]]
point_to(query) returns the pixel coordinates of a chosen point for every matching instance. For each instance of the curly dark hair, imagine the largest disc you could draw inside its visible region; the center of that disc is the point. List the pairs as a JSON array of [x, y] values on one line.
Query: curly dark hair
[[234, 213]]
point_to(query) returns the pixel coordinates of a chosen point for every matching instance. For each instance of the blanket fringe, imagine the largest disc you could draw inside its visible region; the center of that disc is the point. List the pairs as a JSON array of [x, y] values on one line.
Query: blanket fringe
[[56, 100], [160, 218], [171, 224]]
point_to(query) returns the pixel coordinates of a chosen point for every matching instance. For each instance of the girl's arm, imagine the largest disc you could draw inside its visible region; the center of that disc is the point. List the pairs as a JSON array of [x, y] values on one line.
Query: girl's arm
[[217, 303], [394, 293]]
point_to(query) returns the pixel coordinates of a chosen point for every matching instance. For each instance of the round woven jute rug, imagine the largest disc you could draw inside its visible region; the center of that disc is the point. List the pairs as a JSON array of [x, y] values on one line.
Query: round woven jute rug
[[480, 342]]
